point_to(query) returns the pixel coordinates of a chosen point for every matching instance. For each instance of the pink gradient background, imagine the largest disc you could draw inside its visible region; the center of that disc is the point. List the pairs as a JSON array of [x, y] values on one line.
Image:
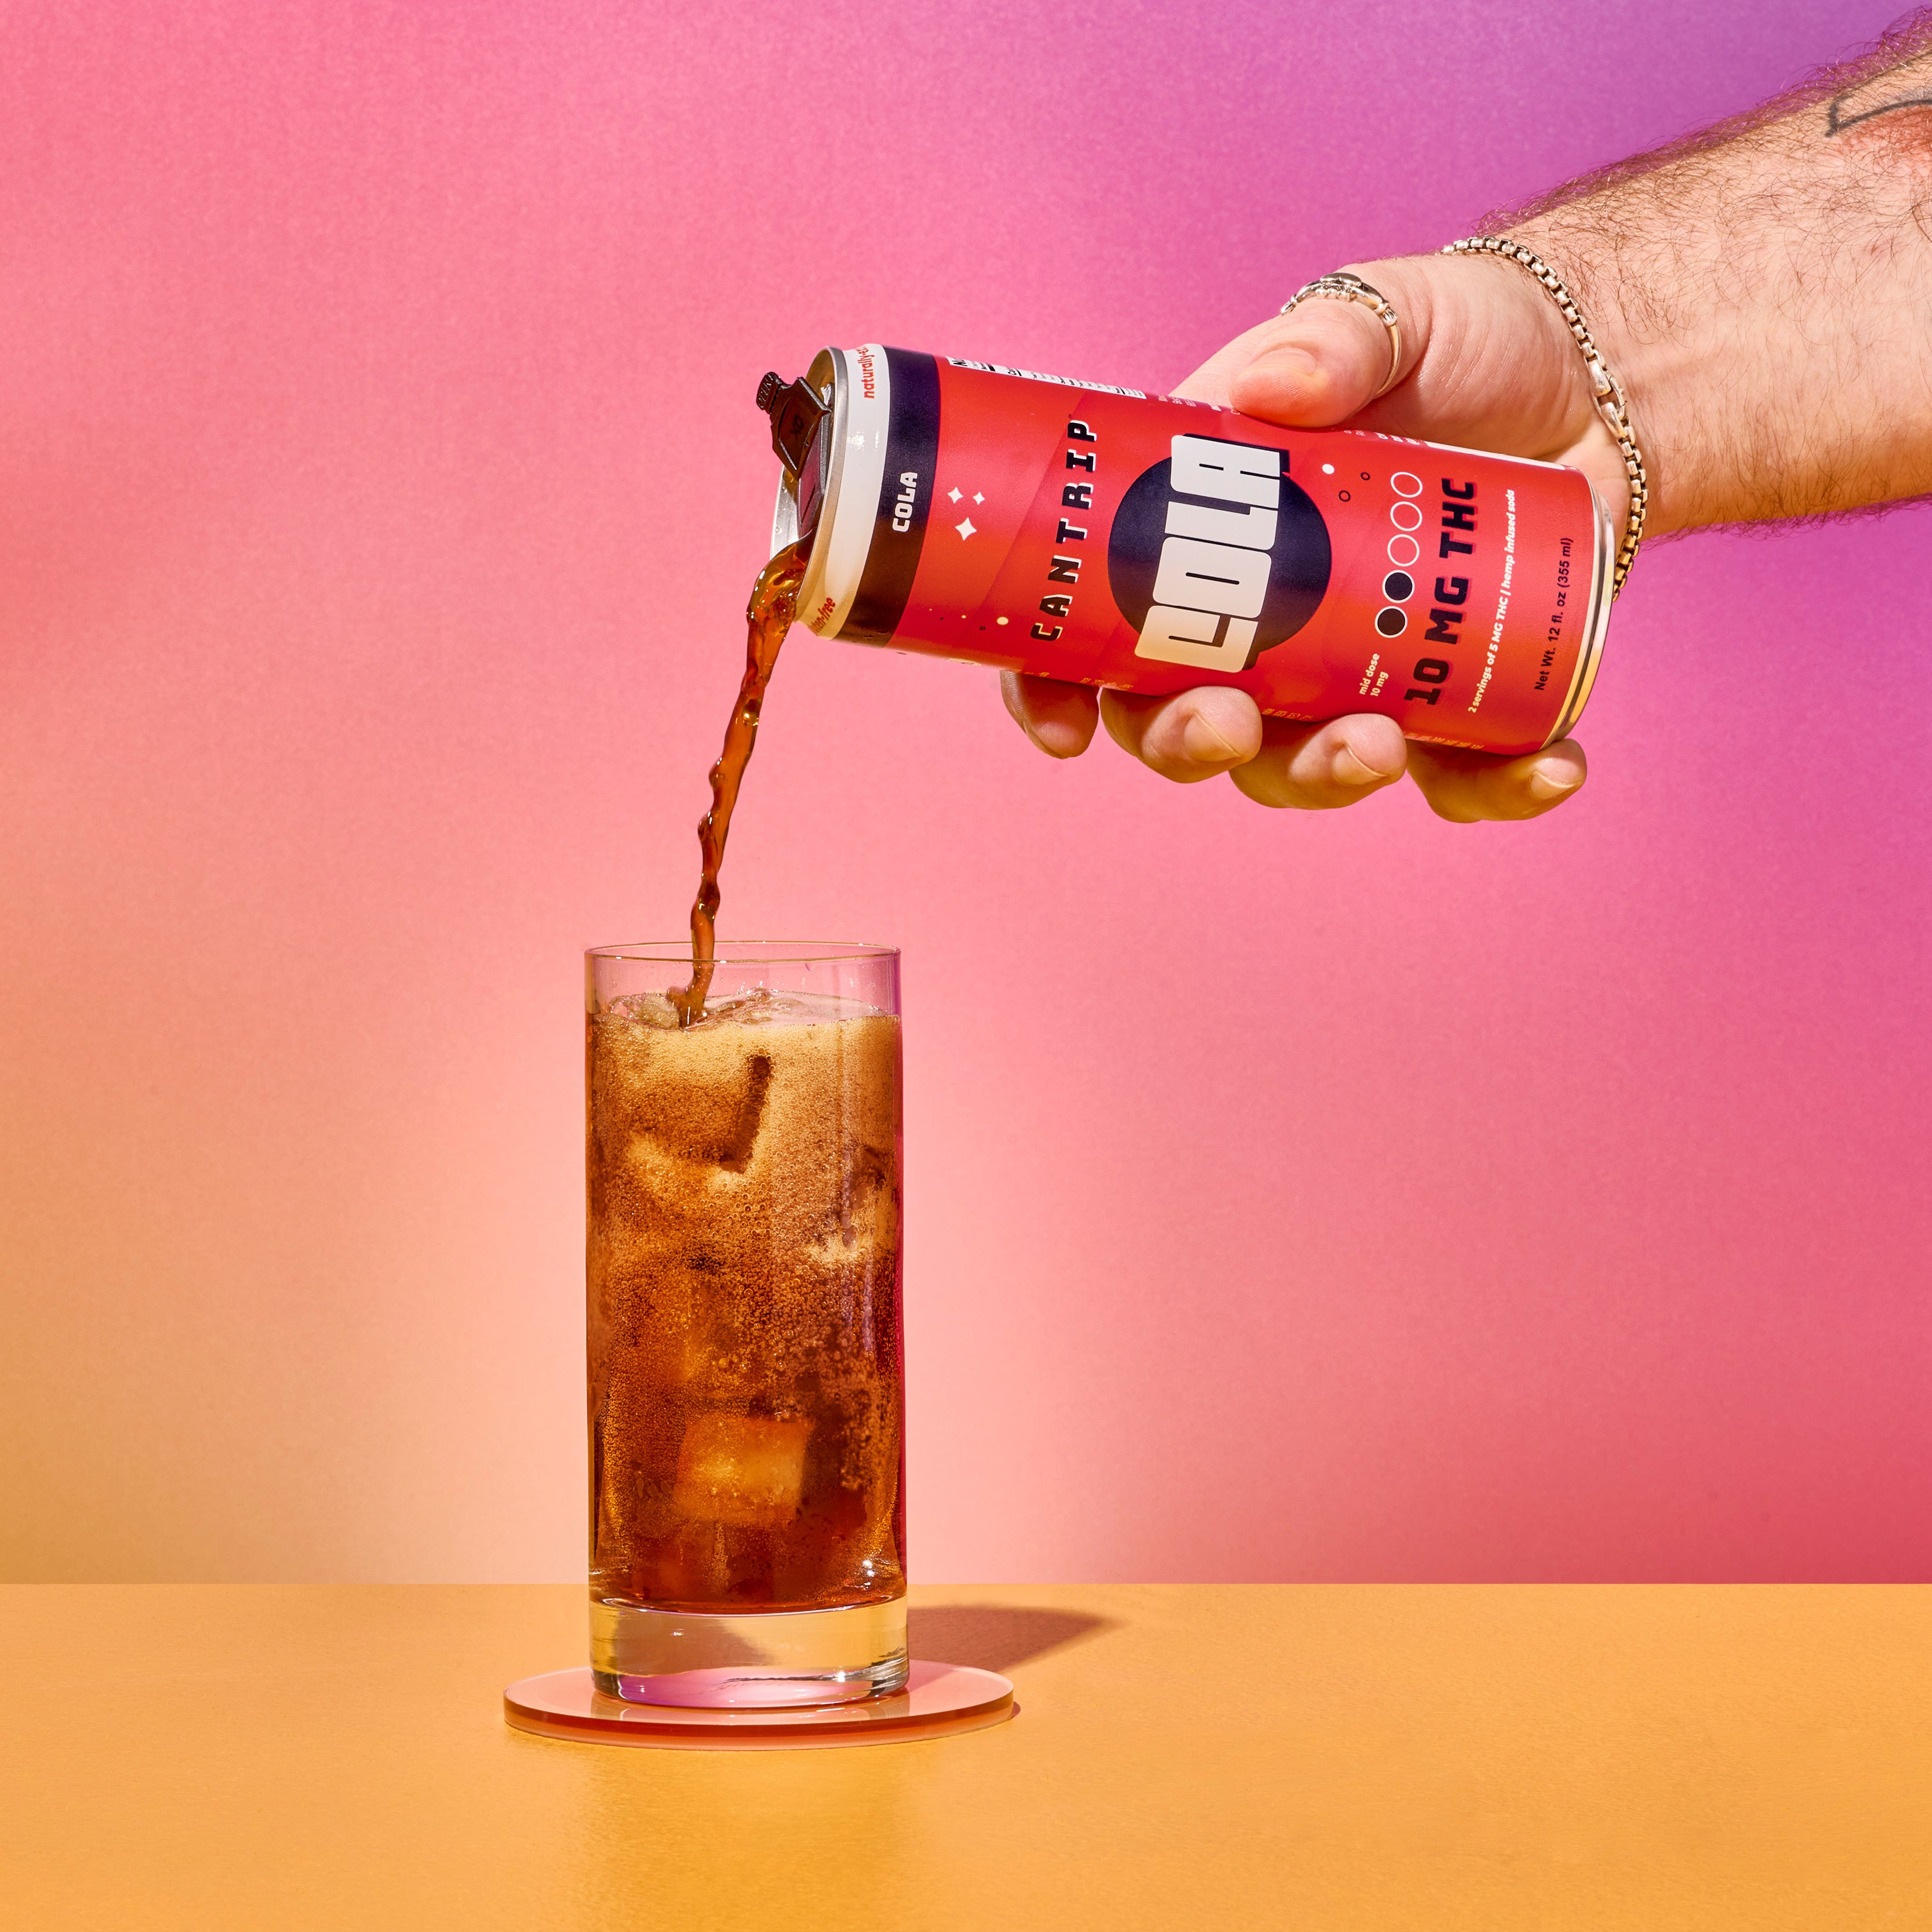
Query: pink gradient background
[[1357, 1196]]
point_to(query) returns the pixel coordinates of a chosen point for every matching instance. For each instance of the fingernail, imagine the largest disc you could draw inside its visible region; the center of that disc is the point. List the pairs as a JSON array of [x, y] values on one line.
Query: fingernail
[[1350, 768], [1287, 359], [1202, 744], [1553, 778]]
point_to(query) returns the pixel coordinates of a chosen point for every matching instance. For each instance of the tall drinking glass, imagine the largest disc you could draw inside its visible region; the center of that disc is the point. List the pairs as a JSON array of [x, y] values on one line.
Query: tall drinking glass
[[747, 1437]]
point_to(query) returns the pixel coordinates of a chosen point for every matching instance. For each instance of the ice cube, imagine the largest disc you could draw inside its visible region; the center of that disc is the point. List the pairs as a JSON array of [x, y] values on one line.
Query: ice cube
[[744, 1470], [646, 1010], [701, 1107], [866, 1228]]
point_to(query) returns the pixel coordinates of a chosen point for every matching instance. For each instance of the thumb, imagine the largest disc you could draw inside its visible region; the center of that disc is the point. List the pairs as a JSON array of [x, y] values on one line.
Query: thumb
[[1332, 357]]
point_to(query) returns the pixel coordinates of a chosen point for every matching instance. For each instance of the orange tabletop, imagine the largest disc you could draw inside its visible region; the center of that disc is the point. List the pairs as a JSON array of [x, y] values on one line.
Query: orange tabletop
[[1418, 1758]]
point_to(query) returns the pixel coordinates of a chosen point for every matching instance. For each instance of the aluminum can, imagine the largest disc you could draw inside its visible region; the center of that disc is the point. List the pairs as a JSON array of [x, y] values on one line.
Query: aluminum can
[[1108, 537]]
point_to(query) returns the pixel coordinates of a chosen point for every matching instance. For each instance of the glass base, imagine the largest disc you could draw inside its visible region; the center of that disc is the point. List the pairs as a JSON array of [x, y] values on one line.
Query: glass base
[[767, 1660], [940, 1700]]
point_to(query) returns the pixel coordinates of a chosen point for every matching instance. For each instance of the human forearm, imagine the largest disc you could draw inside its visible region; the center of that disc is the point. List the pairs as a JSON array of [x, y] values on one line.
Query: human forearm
[[1765, 293]]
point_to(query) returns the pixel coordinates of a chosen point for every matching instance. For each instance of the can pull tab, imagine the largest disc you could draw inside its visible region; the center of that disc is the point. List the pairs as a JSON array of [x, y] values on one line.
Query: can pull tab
[[796, 411]]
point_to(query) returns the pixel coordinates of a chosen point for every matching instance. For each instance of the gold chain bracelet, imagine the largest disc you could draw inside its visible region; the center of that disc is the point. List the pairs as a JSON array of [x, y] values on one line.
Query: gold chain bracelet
[[1607, 393]]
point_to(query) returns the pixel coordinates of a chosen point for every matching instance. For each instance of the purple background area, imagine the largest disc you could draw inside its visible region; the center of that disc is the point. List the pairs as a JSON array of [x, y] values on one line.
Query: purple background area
[[1352, 1197]]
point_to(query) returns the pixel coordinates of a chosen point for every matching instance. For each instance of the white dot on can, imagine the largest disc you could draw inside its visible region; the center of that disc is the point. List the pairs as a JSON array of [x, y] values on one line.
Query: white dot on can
[[999, 620], [1404, 484], [1405, 516], [1327, 468], [1403, 551]]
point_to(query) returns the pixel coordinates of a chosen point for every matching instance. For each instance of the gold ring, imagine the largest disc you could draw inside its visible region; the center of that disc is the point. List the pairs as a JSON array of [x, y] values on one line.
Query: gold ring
[[1342, 286]]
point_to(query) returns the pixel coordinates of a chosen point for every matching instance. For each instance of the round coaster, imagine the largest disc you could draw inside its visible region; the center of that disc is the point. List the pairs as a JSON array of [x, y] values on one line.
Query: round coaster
[[939, 1699]]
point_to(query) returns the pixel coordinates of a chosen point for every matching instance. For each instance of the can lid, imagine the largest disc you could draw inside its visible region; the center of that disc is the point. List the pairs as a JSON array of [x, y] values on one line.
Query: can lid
[[797, 410]]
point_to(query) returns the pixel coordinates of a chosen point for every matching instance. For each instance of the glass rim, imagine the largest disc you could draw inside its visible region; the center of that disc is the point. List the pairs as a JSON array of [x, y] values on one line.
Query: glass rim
[[745, 952]]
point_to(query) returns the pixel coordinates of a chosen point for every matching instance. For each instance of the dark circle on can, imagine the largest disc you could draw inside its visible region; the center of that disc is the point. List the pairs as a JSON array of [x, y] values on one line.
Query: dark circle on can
[[1391, 622], [1341, 496], [1398, 587], [1300, 560], [1365, 476]]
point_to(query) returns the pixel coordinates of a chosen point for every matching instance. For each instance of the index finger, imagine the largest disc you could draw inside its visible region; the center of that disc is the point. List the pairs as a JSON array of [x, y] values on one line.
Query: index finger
[[1467, 786]]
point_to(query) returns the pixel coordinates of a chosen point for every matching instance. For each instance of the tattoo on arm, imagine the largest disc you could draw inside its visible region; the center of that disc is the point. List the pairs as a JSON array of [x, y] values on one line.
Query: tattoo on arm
[[1887, 93], [1767, 279], [1893, 72]]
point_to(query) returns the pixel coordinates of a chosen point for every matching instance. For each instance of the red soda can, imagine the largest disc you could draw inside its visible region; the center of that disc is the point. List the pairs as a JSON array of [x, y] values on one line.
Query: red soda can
[[1107, 537]]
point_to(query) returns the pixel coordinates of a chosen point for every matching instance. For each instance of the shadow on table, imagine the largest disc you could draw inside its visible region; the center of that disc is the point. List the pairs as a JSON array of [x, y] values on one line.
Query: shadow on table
[[995, 1637]]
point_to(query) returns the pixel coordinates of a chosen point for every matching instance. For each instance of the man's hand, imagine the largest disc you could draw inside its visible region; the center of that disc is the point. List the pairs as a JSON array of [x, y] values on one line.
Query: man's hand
[[1761, 290], [1487, 364]]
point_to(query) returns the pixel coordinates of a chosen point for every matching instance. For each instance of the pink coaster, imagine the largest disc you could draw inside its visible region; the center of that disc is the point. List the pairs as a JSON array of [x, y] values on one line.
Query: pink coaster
[[939, 1699]]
